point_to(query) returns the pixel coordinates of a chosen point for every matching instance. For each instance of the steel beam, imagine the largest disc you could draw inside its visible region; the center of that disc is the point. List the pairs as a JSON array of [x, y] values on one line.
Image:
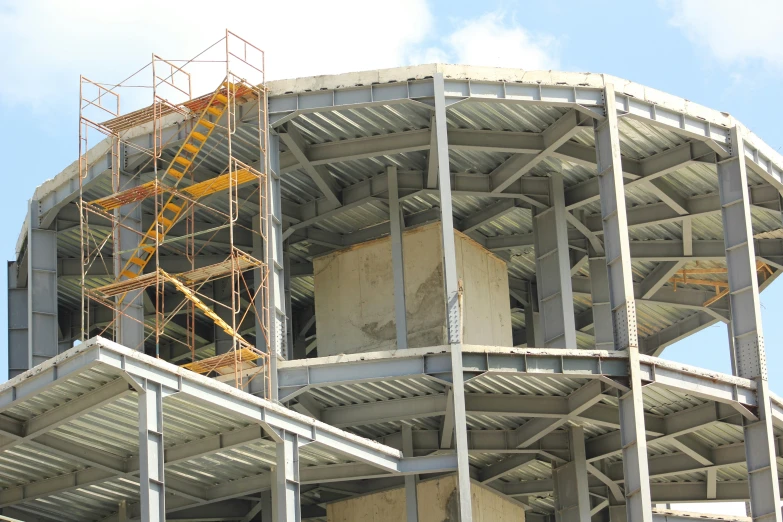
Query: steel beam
[[453, 300], [761, 197], [320, 176], [659, 277], [572, 495], [746, 329], [286, 502], [553, 270], [561, 131], [18, 335], [42, 332], [151, 453], [621, 297], [398, 266]]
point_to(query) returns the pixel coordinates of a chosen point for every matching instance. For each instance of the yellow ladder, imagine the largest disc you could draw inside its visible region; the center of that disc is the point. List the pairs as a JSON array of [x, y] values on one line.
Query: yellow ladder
[[181, 164]]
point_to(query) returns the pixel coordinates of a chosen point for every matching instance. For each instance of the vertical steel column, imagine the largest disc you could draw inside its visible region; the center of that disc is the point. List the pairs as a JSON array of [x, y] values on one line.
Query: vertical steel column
[[572, 495], [278, 324], [285, 494], [42, 331], [746, 330], [17, 324], [274, 256], [398, 266], [411, 495], [553, 270], [122, 511], [267, 513], [530, 322], [602, 308], [621, 299], [289, 330], [453, 312], [221, 293], [153, 493], [127, 235]]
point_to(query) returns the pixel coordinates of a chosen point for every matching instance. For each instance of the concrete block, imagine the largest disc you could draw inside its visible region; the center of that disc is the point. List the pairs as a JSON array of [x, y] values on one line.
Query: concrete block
[[354, 295]]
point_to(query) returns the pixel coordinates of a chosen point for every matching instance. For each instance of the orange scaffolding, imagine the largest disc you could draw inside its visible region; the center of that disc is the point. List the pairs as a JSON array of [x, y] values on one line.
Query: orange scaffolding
[[202, 171]]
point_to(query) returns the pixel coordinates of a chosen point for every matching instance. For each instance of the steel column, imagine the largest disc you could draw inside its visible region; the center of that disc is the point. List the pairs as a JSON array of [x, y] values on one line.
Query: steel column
[[746, 330], [17, 324], [221, 293], [272, 253], [286, 495], [602, 309], [453, 312], [267, 513], [151, 457], [572, 495], [553, 270], [623, 305], [277, 278], [289, 330], [398, 266], [127, 235], [42, 332], [411, 496]]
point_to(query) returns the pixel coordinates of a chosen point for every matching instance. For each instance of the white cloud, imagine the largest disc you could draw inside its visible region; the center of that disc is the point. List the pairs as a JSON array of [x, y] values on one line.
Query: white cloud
[[734, 32], [48, 43], [495, 39]]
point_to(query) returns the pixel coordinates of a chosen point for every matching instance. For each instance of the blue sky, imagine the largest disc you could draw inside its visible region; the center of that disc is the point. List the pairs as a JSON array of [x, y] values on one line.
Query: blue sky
[[708, 51]]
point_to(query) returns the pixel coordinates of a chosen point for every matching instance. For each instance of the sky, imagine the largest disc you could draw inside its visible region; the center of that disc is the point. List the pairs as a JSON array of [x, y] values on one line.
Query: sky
[[713, 52]]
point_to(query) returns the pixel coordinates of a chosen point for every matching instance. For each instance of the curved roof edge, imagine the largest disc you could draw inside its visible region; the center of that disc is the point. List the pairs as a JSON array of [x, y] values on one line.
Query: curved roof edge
[[500, 74], [64, 179]]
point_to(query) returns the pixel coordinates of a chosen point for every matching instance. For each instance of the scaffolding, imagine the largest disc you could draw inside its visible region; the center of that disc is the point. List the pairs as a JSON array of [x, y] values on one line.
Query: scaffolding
[[204, 184]]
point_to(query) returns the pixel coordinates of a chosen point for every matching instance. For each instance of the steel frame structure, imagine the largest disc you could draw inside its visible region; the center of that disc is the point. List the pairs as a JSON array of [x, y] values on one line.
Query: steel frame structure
[[581, 420]]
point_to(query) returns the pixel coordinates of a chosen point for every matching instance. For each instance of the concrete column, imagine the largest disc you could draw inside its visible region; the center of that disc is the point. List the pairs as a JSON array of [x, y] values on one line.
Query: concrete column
[[395, 220], [221, 293], [553, 270], [572, 495], [17, 324], [42, 332], [602, 309], [623, 305], [453, 313], [746, 330], [286, 504], [153, 494], [127, 235], [411, 496]]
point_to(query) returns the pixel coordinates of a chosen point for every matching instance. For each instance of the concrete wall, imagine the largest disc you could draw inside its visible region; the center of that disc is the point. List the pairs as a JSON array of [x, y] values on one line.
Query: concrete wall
[[437, 503], [354, 295]]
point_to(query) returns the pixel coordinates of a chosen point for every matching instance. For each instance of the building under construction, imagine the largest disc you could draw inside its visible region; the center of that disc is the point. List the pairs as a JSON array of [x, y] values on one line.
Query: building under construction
[[430, 293]]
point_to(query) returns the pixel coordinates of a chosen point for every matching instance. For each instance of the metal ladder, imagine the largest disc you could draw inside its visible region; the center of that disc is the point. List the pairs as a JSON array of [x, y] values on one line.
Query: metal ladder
[[180, 165]]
